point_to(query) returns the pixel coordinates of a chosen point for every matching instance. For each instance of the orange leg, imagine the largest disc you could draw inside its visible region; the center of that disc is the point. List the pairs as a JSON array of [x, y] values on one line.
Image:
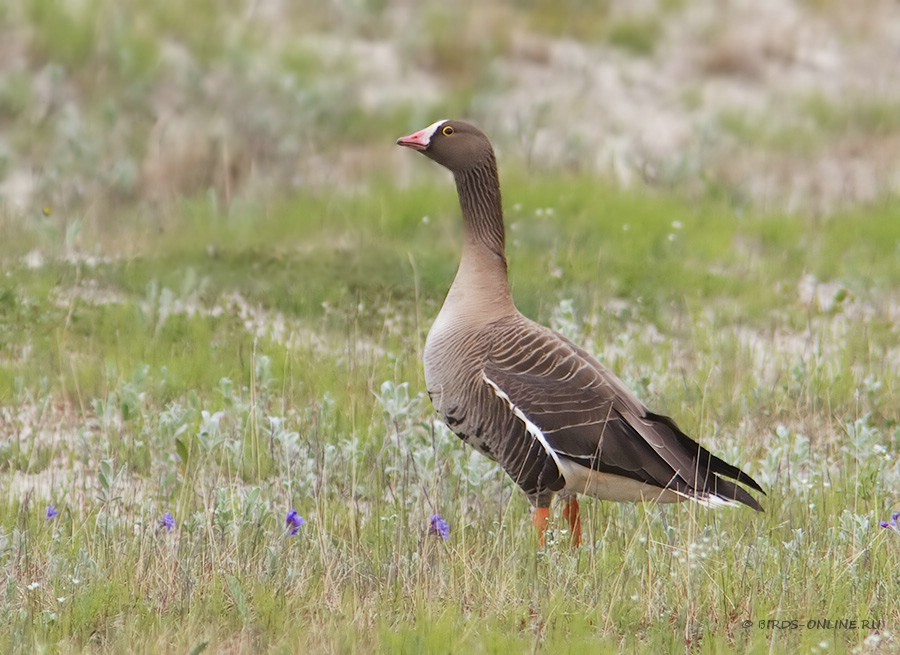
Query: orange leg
[[541, 521], [572, 512]]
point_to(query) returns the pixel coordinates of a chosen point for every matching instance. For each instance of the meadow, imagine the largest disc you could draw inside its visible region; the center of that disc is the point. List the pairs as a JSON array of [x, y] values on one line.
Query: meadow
[[214, 432], [271, 362]]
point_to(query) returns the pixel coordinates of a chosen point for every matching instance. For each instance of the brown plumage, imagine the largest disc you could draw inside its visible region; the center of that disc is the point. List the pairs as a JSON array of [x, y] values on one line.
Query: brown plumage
[[548, 412]]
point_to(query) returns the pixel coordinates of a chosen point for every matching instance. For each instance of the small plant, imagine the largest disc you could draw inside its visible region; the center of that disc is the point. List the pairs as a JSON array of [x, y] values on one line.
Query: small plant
[[637, 36], [439, 527], [167, 522], [294, 522], [893, 524]]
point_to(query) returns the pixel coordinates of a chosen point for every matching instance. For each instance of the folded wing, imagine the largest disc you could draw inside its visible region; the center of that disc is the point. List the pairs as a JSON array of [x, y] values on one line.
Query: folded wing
[[589, 418]]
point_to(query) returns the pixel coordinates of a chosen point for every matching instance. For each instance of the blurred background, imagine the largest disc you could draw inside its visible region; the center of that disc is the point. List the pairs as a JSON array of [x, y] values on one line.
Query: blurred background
[[112, 104]]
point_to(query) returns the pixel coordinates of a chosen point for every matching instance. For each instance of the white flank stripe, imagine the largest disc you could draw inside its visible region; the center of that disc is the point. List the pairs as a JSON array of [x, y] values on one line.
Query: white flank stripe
[[710, 501], [533, 430]]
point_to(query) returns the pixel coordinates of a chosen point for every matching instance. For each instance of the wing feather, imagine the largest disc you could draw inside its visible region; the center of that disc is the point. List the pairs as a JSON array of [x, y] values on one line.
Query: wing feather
[[585, 414]]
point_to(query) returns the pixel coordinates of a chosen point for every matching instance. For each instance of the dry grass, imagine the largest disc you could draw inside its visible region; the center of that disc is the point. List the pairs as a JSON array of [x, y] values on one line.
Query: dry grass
[[218, 275]]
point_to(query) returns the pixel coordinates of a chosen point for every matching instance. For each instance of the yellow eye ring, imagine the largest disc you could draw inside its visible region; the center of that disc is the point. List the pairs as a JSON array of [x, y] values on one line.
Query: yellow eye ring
[[448, 130]]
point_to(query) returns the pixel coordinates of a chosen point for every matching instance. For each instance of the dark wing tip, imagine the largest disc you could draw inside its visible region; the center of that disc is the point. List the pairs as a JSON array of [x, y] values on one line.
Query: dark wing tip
[[713, 464]]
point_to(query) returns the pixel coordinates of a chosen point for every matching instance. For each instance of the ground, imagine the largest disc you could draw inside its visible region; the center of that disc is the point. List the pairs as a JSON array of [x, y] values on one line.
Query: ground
[[218, 273]]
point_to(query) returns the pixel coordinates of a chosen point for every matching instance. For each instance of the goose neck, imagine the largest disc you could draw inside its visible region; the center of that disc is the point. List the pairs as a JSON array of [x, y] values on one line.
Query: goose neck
[[481, 287], [482, 208]]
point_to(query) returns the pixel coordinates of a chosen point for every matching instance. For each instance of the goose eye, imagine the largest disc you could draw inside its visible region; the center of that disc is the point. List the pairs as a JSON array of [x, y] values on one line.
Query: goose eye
[[448, 130]]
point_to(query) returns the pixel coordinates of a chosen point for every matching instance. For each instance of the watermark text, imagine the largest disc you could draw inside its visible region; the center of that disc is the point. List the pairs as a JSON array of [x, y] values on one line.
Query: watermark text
[[815, 624]]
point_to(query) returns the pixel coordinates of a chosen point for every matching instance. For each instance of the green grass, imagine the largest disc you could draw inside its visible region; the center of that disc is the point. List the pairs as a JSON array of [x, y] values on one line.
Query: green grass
[[228, 368], [572, 18], [865, 117], [171, 100], [817, 124], [637, 36], [234, 329]]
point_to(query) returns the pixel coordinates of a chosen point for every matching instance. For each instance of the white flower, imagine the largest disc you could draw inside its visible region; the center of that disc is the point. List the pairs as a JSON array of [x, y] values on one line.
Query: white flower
[[33, 586]]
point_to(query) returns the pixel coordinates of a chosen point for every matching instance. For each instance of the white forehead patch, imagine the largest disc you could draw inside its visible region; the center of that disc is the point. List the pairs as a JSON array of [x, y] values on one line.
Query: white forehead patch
[[429, 131]]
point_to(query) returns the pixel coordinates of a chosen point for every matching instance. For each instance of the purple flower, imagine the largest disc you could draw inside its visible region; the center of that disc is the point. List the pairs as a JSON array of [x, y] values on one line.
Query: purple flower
[[294, 522], [167, 522], [52, 513], [893, 524], [439, 527]]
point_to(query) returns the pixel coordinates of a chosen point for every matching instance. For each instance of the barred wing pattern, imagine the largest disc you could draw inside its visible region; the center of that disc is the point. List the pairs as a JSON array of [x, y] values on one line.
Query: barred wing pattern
[[603, 440]]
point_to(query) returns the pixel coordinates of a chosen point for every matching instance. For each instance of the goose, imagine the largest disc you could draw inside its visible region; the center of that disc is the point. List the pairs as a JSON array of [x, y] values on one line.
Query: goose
[[553, 417]]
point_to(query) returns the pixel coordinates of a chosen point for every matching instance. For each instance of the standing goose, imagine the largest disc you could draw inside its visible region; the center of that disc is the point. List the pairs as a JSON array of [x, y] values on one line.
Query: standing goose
[[551, 415]]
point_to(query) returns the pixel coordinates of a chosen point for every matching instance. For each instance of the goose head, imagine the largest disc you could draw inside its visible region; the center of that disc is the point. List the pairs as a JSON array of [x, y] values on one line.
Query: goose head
[[456, 145]]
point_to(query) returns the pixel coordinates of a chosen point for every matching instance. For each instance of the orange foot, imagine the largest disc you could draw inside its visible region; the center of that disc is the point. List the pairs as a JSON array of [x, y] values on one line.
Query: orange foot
[[541, 521], [572, 512]]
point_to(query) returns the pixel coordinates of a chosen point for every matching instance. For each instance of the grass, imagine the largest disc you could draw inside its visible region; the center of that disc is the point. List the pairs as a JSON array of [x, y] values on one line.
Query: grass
[[170, 100], [271, 362], [818, 123], [214, 297], [637, 36]]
